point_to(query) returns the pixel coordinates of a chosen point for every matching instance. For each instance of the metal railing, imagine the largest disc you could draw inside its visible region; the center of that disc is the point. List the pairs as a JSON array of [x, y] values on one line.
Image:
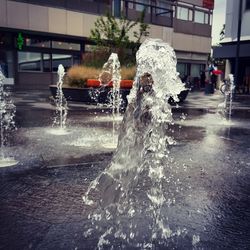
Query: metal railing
[[153, 14]]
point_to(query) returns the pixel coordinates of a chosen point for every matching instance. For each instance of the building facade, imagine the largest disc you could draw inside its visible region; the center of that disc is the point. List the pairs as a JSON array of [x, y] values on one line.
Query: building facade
[[228, 46], [37, 35]]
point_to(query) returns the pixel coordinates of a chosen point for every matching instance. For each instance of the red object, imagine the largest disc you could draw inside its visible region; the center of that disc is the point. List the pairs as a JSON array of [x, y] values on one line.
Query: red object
[[209, 4], [217, 72], [124, 84], [93, 83]]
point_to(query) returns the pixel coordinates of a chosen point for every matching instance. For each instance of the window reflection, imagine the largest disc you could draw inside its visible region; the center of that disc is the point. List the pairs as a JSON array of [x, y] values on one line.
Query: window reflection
[[64, 45], [65, 60], [37, 42], [29, 61], [199, 17], [182, 13], [46, 63]]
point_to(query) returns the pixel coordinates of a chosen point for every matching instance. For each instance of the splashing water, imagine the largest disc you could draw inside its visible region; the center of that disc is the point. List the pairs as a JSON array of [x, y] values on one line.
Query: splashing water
[[232, 87], [110, 76], [225, 108], [7, 123], [61, 105], [113, 68], [128, 197]]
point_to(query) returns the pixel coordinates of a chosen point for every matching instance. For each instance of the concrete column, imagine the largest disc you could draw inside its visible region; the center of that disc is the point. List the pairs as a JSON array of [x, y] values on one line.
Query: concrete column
[[228, 68]]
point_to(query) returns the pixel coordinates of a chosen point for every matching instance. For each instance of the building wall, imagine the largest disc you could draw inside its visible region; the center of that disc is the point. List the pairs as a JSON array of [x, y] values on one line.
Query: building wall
[[25, 16], [191, 40], [231, 28], [191, 43]]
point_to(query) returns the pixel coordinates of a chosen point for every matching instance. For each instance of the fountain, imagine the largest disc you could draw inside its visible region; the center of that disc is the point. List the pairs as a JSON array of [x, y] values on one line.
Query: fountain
[[7, 114], [61, 106], [225, 108], [128, 198], [110, 75]]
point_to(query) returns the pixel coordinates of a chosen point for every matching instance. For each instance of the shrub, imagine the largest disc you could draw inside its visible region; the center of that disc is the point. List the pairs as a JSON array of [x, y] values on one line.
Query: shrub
[[128, 73], [95, 58], [77, 75]]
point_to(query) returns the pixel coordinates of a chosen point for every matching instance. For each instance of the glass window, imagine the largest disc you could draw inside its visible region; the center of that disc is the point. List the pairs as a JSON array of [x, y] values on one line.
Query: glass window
[[164, 11], [199, 16], [29, 61], [182, 13], [90, 48], [195, 70], [247, 5], [5, 40], [190, 15], [206, 18], [182, 69], [35, 42], [65, 60], [46, 63], [76, 59], [64, 45], [141, 7]]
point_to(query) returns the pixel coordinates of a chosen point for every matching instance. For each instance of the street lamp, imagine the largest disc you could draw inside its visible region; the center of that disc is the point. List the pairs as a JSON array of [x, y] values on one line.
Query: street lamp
[[238, 45]]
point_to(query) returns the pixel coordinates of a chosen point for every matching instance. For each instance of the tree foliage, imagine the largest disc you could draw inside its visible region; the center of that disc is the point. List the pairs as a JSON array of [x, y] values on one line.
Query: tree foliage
[[114, 33], [222, 33]]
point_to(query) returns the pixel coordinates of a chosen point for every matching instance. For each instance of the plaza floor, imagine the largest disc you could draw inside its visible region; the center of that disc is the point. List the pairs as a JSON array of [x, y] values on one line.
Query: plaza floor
[[41, 197]]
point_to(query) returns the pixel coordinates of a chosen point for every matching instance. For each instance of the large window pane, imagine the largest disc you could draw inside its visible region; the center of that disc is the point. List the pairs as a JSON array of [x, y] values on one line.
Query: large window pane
[[190, 15], [182, 13], [182, 69], [195, 70], [199, 16], [141, 7], [46, 63], [65, 60], [206, 18], [29, 61], [247, 4], [6, 63], [64, 45], [37, 42], [163, 12]]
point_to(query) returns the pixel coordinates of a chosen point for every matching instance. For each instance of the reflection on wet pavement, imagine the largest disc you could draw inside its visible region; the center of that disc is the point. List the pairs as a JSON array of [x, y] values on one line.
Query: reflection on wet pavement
[[41, 197]]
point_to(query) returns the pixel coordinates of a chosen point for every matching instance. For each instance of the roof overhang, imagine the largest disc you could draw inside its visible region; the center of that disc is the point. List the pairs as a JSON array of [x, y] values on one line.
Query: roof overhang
[[229, 50]]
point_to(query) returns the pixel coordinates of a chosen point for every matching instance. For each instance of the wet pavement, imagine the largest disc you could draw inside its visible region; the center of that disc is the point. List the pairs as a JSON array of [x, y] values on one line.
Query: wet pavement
[[41, 197]]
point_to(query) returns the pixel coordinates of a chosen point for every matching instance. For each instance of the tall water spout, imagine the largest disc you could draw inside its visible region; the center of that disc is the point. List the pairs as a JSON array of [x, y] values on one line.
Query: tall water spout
[[225, 108], [232, 87], [7, 123], [113, 68], [110, 79], [60, 101], [129, 196]]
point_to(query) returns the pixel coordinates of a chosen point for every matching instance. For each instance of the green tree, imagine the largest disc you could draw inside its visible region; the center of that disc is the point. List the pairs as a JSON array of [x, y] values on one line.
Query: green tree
[[222, 32], [112, 34]]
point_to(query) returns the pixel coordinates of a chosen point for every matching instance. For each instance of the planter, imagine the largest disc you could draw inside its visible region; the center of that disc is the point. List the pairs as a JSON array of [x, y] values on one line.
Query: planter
[[73, 94], [84, 94], [124, 84]]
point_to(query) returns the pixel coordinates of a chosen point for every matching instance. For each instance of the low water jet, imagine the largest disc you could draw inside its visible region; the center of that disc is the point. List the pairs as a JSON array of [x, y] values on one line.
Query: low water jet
[[110, 77], [7, 123], [59, 124]]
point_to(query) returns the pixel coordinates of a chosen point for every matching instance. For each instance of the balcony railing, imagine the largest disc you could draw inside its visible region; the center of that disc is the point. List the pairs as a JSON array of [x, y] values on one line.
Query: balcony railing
[[132, 10], [153, 14], [100, 7]]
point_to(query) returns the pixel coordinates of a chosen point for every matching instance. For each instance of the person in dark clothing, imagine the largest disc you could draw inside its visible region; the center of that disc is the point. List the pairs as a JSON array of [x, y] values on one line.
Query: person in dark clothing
[[202, 79]]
